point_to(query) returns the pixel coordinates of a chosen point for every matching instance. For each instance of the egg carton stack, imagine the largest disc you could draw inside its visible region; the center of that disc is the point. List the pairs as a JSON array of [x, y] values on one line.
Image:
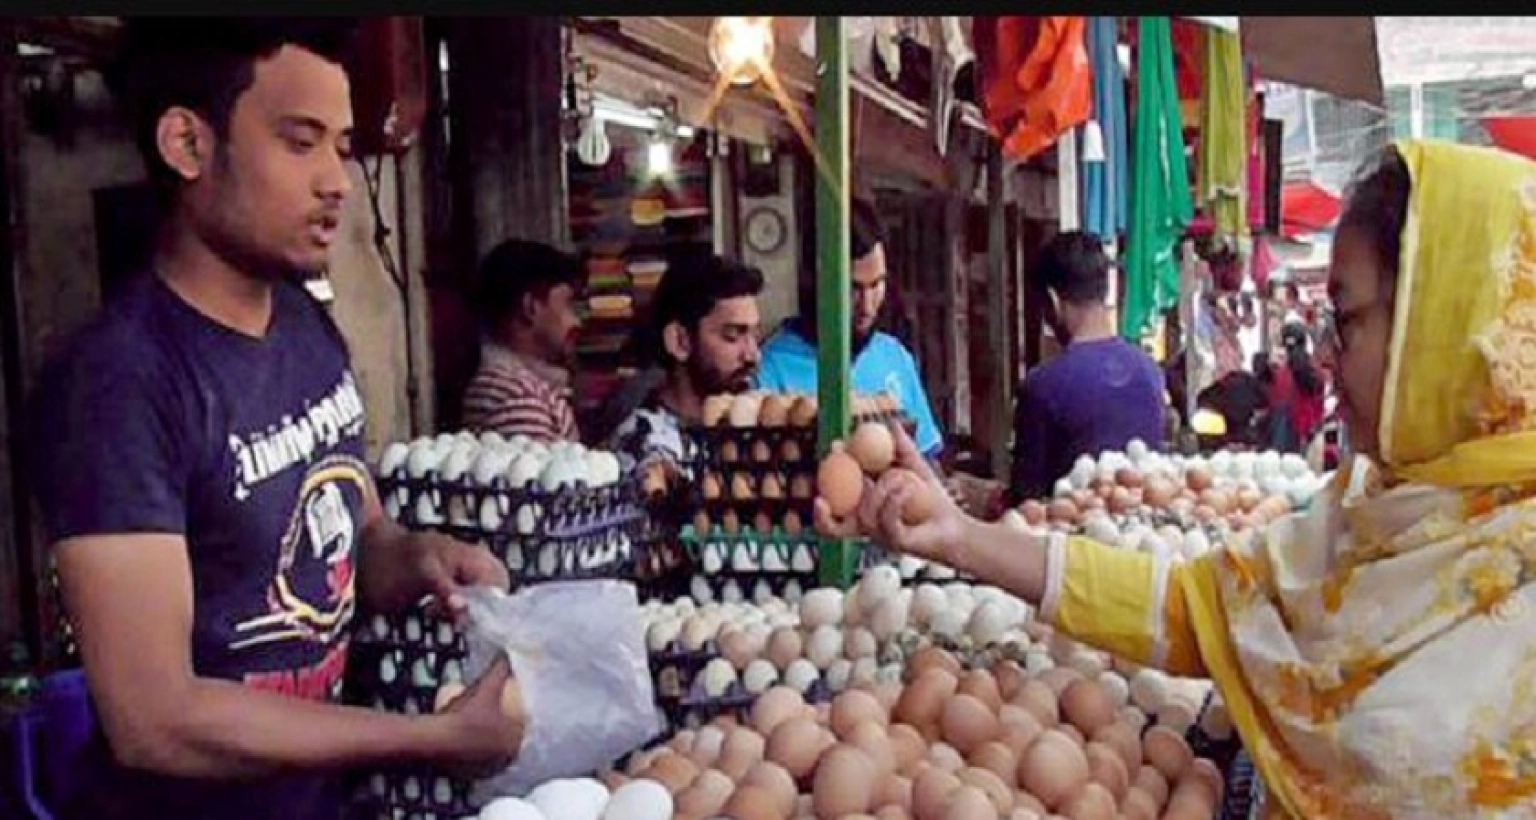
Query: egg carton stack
[[754, 500], [551, 512], [411, 664]]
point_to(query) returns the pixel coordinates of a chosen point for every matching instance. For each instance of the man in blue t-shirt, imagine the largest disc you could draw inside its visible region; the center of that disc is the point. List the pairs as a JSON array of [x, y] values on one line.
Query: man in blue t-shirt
[[200, 465], [1099, 394], [880, 363]]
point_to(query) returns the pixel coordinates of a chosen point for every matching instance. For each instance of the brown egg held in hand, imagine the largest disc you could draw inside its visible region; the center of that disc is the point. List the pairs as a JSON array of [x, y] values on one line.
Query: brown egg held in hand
[[872, 447], [840, 482]]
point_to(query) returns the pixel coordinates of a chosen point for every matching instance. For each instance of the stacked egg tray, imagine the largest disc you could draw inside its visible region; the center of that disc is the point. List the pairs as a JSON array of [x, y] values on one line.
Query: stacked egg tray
[[684, 700], [746, 462], [568, 534], [397, 664]]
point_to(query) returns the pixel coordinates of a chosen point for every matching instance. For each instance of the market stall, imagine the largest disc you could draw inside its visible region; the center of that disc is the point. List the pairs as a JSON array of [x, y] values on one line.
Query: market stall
[[733, 662]]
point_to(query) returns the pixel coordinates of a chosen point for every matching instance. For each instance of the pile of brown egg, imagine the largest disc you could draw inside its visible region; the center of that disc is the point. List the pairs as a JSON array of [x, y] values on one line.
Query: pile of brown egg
[[945, 744]]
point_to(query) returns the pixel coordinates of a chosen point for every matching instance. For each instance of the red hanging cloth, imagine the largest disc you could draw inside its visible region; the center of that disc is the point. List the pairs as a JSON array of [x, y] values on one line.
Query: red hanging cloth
[[1036, 80]]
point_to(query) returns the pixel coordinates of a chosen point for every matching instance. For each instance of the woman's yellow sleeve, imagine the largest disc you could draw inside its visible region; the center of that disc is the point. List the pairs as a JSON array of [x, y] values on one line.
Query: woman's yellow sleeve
[[1130, 604]]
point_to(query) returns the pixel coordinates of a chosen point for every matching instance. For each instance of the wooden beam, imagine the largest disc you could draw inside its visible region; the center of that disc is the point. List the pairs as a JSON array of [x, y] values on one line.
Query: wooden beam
[[94, 38]]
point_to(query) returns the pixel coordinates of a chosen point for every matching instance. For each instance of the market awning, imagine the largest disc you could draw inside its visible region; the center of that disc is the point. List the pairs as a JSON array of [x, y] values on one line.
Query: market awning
[[1332, 54], [1514, 134], [1307, 208]]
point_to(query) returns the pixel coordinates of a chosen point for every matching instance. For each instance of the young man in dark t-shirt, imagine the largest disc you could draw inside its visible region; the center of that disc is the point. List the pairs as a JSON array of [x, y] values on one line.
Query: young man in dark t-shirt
[[1099, 394], [200, 463]]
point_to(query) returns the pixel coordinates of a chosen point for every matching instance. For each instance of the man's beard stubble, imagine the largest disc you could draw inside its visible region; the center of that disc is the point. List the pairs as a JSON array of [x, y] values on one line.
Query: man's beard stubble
[[711, 382]]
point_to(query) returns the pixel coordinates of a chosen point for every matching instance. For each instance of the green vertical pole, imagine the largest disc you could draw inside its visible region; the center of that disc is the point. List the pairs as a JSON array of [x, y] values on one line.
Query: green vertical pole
[[839, 559]]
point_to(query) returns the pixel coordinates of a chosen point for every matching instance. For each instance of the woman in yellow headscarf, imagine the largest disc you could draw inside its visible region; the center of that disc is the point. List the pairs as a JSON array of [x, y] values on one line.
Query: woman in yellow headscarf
[[1378, 652]]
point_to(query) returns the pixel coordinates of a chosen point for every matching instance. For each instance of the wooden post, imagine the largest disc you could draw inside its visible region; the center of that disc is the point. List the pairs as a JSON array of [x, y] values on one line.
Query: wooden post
[[839, 559], [1000, 396], [21, 577]]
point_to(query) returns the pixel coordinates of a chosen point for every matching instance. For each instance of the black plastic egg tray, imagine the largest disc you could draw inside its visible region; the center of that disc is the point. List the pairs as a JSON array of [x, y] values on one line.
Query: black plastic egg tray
[[571, 534], [396, 664], [410, 793], [724, 445], [758, 545], [696, 708]]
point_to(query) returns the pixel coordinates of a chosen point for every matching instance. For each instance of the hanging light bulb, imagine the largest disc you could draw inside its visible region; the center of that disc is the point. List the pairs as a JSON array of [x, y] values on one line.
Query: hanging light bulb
[[658, 157], [741, 47]]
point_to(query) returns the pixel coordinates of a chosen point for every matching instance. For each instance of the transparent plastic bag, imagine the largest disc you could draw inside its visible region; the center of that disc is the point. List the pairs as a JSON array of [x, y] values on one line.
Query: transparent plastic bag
[[577, 650]]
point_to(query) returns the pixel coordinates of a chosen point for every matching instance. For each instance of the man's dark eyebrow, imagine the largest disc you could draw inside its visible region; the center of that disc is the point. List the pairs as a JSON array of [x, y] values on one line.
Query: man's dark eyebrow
[[311, 123]]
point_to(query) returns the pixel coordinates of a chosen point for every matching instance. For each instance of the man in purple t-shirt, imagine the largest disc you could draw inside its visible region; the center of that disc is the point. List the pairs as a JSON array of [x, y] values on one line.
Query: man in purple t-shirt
[[199, 460], [1099, 394]]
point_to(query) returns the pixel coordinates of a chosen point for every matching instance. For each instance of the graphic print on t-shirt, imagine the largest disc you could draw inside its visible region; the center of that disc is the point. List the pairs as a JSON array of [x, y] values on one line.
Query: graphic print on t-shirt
[[311, 595]]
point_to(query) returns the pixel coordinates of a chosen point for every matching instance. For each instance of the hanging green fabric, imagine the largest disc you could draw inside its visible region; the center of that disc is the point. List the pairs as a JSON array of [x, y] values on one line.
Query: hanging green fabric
[[1160, 197], [1224, 134]]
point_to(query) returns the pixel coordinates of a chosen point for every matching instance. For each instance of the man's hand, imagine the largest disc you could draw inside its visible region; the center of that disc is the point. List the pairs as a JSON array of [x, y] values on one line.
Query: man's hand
[[445, 565], [485, 725]]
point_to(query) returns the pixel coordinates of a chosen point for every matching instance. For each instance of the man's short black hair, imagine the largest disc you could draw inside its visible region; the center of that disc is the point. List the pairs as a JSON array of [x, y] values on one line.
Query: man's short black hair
[[518, 268], [695, 282], [204, 64], [1074, 266], [864, 231]]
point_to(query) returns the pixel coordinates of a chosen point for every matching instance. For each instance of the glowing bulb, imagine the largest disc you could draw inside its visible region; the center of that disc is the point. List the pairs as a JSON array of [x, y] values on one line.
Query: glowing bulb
[[658, 158], [741, 47]]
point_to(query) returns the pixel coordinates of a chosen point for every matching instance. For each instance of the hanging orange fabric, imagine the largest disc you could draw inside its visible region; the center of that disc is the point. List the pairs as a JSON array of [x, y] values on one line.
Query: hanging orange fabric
[[1037, 84]]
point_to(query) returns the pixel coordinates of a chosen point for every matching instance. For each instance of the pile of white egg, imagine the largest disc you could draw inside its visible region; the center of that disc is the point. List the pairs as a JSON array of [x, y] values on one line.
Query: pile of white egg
[[866, 635], [585, 799], [521, 463], [1268, 472]]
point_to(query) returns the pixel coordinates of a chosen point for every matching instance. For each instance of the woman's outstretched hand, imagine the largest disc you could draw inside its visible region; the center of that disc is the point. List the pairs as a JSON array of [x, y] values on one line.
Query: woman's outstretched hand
[[890, 508]]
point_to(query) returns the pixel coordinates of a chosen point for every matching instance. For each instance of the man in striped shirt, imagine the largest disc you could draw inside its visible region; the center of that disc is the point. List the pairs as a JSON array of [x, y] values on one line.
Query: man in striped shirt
[[527, 297]]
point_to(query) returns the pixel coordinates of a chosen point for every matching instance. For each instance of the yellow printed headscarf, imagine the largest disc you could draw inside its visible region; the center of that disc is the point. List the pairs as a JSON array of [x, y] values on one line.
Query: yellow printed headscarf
[[1460, 391]]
